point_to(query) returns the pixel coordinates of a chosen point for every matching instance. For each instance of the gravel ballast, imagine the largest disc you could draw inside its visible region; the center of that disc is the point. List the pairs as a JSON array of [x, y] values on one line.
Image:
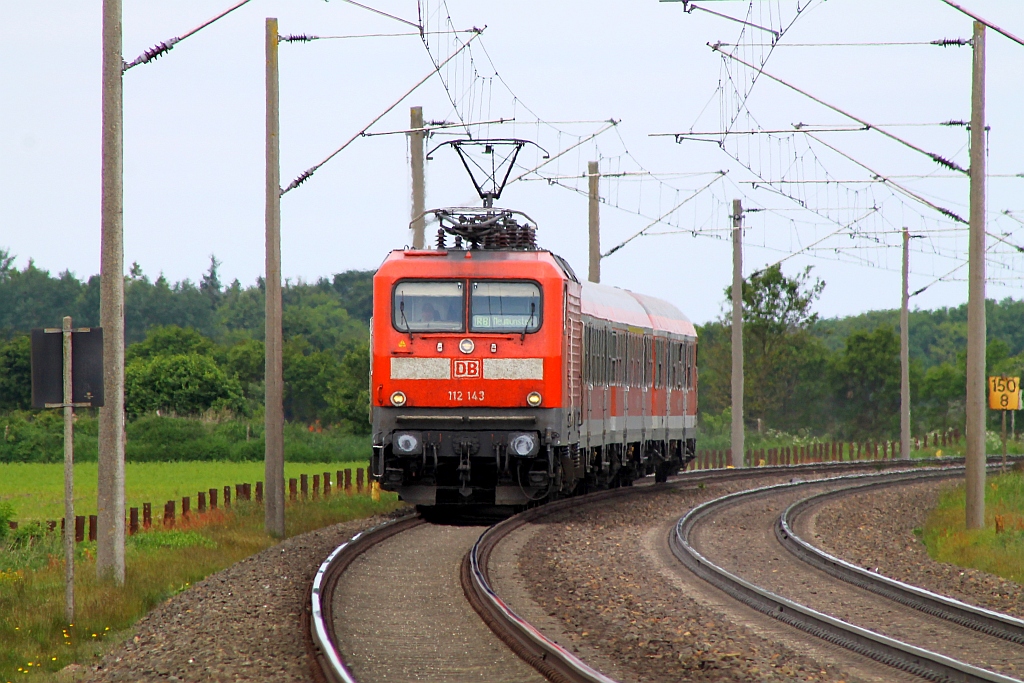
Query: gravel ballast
[[240, 624], [602, 592], [875, 530]]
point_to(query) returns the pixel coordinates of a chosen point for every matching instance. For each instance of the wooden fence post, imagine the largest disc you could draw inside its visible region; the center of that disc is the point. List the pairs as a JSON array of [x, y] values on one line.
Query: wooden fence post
[[259, 492], [133, 521], [293, 489], [92, 527], [304, 485], [201, 497], [327, 484], [316, 485]]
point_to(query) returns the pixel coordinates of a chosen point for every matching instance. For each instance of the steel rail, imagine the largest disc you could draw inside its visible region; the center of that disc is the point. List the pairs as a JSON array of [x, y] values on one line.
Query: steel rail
[[330, 665], [977, 618], [524, 639], [909, 658]]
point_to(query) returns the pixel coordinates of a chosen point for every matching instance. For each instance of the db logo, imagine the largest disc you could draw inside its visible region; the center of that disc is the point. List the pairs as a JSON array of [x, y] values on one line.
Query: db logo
[[466, 369]]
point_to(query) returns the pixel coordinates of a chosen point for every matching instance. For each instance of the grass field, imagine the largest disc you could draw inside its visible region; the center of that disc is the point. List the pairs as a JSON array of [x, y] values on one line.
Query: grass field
[[35, 640], [997, 549], [37, 490]]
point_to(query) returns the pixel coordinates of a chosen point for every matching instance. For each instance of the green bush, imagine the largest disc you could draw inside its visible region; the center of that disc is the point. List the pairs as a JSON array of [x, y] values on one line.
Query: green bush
[[182, 384]]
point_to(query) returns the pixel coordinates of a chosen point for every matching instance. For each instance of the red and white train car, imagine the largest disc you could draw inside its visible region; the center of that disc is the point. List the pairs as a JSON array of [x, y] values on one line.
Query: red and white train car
[[498, 378]]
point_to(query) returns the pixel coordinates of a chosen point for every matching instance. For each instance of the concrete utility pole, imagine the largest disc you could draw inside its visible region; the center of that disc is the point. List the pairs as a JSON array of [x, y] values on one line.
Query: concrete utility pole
[[594, 178], [274, 380], [976, 332], [69, 481], [737, 333], [417, 142], [110, 466], [905, 352]]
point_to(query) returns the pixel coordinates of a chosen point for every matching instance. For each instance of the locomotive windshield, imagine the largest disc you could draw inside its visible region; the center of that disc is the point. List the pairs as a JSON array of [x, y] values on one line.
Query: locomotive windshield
[[504, 307], [429, 306]]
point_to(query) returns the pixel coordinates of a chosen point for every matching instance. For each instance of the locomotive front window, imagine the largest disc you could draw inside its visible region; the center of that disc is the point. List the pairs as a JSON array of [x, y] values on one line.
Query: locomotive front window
[[504, 307], [428, 306]]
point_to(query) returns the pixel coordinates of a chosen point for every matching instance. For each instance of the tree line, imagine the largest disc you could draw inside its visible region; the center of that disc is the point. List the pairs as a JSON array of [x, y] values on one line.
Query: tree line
[[193, 348], [840, 377]]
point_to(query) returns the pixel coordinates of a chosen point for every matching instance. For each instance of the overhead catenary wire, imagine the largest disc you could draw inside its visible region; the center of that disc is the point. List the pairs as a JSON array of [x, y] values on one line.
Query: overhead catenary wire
[[661, 218], [794, 172], [913, 195], [306, 38], [941, 42], [816, 243], [611, 123], [931, 155], [384, 14], [305, 175], [992, 26], [688, 7], [166, 46]]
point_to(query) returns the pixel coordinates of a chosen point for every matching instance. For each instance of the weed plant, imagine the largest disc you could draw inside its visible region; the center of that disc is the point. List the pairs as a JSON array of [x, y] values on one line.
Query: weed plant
[[995, 550], [35, 639]]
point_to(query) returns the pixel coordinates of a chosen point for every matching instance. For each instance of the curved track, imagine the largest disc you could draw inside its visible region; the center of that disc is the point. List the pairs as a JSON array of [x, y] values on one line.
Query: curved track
[[527, 642], [976, 618], [781, 586]]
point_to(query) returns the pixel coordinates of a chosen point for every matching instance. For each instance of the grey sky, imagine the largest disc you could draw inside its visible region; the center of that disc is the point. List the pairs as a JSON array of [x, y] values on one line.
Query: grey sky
[[194, 137]]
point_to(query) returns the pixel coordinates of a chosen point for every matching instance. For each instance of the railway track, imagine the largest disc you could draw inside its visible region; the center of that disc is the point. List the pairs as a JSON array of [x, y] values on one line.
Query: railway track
[[527, 642], [899, 625], [979, 619]]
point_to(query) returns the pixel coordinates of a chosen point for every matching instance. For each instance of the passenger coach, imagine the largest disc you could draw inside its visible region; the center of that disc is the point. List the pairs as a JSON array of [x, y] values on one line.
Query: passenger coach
[[497, 378]]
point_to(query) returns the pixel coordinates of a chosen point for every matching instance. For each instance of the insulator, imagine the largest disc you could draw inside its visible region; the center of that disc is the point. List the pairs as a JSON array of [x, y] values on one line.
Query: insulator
[[951, 42], [458, 241], [440, 238]]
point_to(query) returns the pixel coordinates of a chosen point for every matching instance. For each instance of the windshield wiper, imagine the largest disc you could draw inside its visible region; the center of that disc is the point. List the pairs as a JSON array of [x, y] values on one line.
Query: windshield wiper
[[533, 308], [401, 309]]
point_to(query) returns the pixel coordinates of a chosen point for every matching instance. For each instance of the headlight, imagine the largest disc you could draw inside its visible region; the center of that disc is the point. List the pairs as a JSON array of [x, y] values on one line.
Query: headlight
[[533, 399], [467, 346], [523, 445], [398, 399], [407, 442]]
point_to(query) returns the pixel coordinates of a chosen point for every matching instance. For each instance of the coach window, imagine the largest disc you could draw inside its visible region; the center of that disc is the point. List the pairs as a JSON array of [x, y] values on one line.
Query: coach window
[[613, 357], [678, 364], [428, 306], [690, 359], [648, 361], [504, 307]]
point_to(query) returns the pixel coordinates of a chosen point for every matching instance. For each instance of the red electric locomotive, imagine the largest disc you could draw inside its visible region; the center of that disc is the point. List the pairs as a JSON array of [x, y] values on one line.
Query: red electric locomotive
[[499, 379]]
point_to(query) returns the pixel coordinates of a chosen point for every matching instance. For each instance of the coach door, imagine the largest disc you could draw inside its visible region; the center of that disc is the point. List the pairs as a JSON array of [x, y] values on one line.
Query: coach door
[[574, 361]]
